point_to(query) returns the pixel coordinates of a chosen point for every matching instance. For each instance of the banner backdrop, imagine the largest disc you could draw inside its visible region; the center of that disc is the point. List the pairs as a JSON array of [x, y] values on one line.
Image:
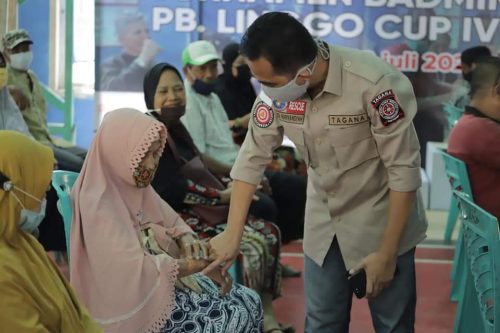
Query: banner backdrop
[[423, 38]]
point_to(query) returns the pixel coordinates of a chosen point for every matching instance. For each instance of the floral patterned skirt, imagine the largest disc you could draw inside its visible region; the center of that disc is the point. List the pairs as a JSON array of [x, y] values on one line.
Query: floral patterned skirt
[[260, 248], [240, 311]]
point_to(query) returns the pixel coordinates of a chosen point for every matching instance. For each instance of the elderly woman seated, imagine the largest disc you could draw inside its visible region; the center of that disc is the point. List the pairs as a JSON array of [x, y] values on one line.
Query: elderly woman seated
[[133, 259]]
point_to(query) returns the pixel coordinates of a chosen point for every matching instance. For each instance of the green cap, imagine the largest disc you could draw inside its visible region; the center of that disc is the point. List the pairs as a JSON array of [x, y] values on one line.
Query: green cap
[[199, 53]]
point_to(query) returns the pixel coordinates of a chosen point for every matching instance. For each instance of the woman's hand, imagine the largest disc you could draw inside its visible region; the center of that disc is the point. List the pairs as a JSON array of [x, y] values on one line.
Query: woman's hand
[[192, 248], [225, 282], [190, 266]]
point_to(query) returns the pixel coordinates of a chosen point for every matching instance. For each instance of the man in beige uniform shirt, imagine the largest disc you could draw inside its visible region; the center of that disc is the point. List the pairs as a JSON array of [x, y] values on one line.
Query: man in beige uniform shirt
[[350, 115]]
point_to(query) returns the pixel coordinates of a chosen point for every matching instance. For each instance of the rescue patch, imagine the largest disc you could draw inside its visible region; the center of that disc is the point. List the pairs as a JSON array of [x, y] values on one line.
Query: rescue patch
[[388, 108], [296, 107], [263, 116], [339, 120]]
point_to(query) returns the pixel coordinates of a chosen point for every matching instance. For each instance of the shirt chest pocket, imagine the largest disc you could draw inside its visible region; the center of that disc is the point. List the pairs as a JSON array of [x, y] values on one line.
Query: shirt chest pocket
[[352, 145], [296, 135]]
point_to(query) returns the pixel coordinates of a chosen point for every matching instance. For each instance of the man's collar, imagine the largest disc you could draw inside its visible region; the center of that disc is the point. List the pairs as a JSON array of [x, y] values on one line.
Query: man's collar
[[476, 112], [333, 83]]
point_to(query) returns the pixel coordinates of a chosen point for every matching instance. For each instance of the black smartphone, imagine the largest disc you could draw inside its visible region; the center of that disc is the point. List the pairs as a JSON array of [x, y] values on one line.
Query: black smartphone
[[358, 283]]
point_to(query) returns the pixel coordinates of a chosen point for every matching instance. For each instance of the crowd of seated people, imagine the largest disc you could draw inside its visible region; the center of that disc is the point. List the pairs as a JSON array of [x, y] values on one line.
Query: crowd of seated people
[[160, 251], [145, 203]]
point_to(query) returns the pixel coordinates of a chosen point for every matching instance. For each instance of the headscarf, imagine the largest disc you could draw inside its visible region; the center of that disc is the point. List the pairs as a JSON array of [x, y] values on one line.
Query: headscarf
[[125, 288], [229, 55], [178, 131], [10, 116], [34, 295]]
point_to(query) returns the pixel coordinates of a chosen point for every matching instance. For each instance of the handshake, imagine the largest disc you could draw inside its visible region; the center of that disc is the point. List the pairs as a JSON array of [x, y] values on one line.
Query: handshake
[[195, 257]]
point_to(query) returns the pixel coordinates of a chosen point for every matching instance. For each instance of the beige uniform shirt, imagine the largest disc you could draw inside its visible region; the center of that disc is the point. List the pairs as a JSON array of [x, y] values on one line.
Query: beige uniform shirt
[[358, 141]]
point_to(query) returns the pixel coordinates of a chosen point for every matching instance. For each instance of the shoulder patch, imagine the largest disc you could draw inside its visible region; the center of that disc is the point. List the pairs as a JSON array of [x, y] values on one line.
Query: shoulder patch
[[387, 107], [263, 116]]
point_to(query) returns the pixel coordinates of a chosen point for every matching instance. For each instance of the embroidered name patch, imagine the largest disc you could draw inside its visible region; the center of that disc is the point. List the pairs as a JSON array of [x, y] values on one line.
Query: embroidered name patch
[[263, 116], [337, 120], [388, 108], [291, 118]]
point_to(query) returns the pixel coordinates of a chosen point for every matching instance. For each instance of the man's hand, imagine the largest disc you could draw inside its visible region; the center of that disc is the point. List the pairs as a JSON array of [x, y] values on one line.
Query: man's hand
[[379, 269], [224, 248], [224, 281], [149, 50], [21, 100], [193, 248]]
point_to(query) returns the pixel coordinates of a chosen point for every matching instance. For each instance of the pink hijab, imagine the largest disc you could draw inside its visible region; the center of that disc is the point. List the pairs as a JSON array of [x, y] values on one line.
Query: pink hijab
[[125, 288]]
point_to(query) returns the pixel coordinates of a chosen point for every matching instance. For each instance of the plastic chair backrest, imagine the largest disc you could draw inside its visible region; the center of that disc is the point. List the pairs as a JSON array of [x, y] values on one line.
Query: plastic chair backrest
[[453, 114], [456, 170], [482, 247], [63, 181]]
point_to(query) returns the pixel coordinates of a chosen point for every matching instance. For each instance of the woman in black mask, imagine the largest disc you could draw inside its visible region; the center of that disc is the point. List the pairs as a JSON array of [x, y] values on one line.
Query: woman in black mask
[[235, 89], [182, 180]]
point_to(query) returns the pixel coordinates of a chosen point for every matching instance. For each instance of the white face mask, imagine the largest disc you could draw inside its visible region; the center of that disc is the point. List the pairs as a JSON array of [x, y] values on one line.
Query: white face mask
[[29, 220], [21, 61], [291, 90]]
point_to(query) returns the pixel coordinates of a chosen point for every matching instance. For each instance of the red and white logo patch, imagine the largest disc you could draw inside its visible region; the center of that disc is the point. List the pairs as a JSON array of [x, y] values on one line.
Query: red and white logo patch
[[263, 116], [296, 107], [388, 108]]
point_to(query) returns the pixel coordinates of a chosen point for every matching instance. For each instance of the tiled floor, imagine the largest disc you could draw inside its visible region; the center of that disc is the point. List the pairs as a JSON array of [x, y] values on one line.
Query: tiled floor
[[435, 312]]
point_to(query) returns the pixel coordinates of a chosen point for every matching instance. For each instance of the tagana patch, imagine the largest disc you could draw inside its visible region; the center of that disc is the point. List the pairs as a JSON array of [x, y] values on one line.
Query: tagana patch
[[263, 116], [388, 108]]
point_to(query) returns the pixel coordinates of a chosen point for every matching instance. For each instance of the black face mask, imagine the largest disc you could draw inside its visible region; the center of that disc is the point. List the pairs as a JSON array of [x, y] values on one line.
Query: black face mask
[[467, 76], [172, 115], [202, 87], [244, 74]]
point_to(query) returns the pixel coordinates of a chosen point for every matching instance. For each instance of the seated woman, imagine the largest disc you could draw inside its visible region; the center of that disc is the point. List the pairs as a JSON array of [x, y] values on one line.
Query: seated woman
[[34, 295], [164, 89], [126, 243]]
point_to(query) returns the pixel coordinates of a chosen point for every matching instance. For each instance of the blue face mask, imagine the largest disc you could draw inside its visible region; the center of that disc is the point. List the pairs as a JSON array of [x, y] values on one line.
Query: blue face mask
[[30, 220]]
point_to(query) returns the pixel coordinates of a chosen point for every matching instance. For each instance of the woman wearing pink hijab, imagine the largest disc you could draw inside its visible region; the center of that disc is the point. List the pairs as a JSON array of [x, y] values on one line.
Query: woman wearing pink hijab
[[133, 259]]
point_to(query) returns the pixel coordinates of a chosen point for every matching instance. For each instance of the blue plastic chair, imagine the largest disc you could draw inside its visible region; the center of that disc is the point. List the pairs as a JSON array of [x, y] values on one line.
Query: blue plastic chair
[[456, 171], [478, 308], [453, 114], [63, 181]]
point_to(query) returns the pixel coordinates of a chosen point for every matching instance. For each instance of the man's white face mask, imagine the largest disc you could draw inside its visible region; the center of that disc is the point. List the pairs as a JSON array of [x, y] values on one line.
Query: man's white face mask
[[21, 61]]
